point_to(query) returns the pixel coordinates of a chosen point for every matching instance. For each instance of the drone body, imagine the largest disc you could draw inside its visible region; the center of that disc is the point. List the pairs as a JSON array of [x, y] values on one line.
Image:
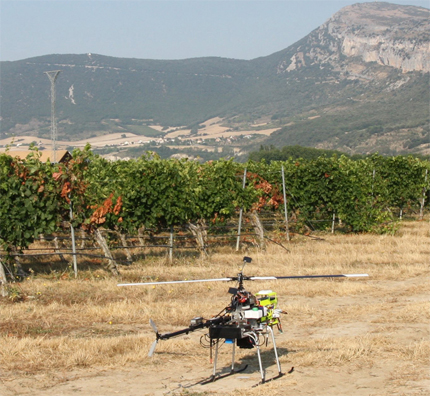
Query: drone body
[[247, 322], [248, 318]]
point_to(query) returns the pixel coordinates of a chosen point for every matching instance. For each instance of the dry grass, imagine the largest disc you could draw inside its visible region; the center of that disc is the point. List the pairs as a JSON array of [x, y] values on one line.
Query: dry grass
[[351, 324]]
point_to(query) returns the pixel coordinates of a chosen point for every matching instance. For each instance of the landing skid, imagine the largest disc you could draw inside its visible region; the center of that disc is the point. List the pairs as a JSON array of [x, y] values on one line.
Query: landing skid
[[213, 378], [274, 378], [265, 381]]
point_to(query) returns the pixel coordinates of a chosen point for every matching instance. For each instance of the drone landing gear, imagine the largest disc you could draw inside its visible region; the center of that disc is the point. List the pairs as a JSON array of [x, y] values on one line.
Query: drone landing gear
[[215, 377], [254, 337]]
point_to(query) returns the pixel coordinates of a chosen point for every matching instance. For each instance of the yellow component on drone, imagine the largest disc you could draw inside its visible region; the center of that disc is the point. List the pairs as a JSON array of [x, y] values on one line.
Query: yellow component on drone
[[269, 300]]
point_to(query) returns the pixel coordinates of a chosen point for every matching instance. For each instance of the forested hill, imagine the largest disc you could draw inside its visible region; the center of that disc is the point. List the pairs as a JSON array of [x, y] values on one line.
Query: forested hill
[[92, 88], [357, 83]]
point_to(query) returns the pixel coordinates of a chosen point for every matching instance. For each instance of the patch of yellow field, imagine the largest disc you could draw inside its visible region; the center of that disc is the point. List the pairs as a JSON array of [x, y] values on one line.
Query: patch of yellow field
[[98, 141], [175, 134], [235, 134], [213, 130]]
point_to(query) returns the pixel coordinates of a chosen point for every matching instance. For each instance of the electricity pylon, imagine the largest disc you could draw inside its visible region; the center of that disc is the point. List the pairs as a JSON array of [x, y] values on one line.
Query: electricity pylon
[[52, 75]]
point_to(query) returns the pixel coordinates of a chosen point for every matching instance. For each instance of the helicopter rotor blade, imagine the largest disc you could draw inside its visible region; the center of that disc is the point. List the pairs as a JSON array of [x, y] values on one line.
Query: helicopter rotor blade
[[306, 276], [154, 327], [245, 278], [173, 282], [153, 346]]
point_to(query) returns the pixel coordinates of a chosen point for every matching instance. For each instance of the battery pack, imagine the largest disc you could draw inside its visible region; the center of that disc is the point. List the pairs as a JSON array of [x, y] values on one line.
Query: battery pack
[[228, 332]]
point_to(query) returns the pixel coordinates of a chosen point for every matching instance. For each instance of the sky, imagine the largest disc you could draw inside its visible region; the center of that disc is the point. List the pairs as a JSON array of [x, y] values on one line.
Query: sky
[[162, 29]]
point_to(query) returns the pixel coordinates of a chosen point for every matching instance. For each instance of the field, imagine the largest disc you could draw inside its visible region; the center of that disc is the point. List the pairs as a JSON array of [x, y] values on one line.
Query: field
[[135, 136], [116, 139], [362, 336], [142, 133]]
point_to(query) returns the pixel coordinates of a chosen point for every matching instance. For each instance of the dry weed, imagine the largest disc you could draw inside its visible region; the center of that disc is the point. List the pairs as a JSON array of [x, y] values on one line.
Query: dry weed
[[90, 322]]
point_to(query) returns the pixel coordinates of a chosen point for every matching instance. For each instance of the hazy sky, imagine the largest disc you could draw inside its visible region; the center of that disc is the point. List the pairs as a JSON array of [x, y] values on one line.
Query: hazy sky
[[162, 29]]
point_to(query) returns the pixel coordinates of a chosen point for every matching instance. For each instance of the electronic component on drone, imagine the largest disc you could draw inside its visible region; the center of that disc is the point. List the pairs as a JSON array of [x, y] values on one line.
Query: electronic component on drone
[[196, 321]]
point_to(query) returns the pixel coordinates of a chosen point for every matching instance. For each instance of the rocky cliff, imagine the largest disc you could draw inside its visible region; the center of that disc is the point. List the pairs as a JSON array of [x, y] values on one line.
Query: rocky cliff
[[371, 32]]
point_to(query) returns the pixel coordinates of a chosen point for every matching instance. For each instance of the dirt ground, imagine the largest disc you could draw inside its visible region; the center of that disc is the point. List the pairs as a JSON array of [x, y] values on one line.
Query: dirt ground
[[368, 369]]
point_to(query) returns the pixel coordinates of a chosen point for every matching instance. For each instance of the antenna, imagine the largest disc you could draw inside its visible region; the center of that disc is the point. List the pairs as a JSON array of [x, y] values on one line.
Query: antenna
[[240, 277], [245, 261], [52, 75]]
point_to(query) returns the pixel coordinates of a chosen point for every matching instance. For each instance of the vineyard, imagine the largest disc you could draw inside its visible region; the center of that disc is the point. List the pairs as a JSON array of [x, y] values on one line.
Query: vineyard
[[94, 197]]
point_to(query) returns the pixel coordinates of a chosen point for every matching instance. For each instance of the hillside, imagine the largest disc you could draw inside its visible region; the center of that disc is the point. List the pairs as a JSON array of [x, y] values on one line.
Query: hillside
[[358, 83]]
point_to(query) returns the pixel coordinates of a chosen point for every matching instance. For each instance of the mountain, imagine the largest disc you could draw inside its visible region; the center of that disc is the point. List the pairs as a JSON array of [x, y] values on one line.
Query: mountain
[[359, 83], [367, 69]]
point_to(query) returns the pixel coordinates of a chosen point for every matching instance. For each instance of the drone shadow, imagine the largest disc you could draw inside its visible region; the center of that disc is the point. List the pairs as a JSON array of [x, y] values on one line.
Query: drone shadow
[[268, 359]]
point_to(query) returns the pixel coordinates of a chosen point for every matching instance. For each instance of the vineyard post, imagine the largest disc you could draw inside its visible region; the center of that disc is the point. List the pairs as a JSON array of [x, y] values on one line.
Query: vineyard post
[[287, 227], [3, 281], [423, 199], [72, 230], [240, 214], [171, 245], [332, 223]]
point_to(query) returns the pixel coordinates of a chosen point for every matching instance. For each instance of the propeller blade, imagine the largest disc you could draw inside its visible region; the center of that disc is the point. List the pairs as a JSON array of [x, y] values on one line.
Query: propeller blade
[[151, 351], [154, 327], [245, 278], [262, 278], [172, 282], [306, 276]]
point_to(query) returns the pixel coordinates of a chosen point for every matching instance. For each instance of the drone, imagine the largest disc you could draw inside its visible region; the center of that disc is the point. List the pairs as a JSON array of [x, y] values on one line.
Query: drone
[[246, 322]]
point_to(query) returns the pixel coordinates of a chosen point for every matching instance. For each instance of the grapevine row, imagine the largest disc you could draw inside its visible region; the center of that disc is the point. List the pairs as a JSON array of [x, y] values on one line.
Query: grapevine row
[[126, 196]]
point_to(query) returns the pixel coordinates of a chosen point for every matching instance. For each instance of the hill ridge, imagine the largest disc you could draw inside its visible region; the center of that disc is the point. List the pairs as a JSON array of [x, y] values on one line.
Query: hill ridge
[[357, 63]]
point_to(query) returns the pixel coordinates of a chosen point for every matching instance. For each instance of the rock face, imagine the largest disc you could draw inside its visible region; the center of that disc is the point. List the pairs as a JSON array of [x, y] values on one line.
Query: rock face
[[371, 32]]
